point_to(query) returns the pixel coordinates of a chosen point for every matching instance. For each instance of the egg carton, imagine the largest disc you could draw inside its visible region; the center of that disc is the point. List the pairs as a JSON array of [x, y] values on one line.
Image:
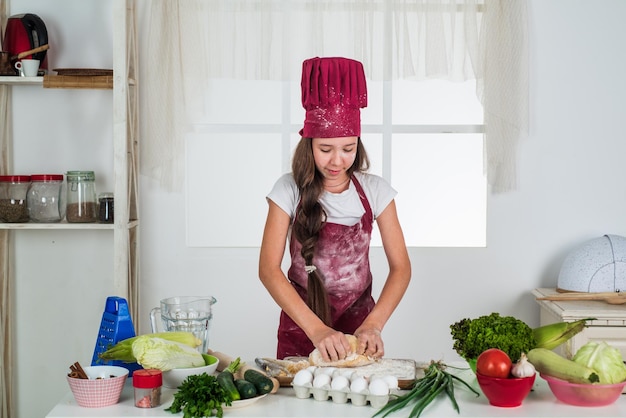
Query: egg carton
[[343, 396]]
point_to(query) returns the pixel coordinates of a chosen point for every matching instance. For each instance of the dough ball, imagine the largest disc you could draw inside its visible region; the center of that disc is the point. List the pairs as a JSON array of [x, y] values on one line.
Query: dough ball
[[352, 359]]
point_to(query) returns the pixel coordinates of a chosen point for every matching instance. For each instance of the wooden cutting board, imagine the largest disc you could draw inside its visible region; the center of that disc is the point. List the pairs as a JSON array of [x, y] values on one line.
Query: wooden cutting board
[[612, 298], [403, 369]]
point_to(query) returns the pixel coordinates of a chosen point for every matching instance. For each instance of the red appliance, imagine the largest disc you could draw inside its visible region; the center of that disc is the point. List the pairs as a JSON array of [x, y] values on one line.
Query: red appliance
[[23, 33]]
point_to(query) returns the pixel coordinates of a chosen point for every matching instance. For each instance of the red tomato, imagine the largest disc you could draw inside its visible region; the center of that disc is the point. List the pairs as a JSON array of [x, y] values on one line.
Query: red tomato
[[494, 362]]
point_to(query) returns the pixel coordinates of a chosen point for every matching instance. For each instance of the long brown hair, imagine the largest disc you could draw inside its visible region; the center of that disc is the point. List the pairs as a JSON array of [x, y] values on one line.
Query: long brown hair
[[310, 216]]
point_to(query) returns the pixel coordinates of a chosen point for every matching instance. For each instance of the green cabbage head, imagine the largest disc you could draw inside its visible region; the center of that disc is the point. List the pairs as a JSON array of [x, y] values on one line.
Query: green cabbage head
[[606, 360], [158, 353]]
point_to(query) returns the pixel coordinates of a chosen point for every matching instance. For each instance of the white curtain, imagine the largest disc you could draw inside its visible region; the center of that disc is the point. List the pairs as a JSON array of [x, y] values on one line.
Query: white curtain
[[194, 40], [502, 84]]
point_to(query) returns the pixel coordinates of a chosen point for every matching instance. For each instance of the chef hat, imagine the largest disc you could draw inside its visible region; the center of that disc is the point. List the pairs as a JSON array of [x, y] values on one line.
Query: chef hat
[[333, 92]]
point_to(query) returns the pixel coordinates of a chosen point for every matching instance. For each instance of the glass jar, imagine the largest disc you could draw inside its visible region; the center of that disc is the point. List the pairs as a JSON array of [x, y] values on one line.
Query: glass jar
[[46, 198], [105, 208], [81, 197], [147, 384], [13, 190]]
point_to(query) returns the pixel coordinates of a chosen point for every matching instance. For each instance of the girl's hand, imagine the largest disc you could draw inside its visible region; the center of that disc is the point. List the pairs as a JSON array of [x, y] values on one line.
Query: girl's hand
[[332, 345], [370, 342]]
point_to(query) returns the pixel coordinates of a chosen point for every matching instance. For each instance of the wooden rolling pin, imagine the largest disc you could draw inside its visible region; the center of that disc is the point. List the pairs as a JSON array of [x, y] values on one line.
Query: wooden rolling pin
[[225, 360], [30, 52], [612, 298]]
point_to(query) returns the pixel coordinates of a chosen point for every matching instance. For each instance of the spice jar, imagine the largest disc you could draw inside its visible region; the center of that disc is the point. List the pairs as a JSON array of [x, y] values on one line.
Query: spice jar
[[81, 197], [105, 208], [46, 198], [13, 191], [147, 384]]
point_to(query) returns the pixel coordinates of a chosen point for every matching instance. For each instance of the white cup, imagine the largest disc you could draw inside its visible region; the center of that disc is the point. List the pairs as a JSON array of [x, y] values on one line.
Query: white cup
[[27, 67]]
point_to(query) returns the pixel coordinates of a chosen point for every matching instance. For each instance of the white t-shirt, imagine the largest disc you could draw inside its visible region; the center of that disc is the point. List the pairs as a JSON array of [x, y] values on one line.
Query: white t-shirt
[[343, 208]]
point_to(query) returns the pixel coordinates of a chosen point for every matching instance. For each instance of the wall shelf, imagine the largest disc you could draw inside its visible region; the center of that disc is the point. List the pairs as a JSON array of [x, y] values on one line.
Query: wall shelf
[[104, 82], [17, 81], [121, 79], [125, 167], [62, 225]]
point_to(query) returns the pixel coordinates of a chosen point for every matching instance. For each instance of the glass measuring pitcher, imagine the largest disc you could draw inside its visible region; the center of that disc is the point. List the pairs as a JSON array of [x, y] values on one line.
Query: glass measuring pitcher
[[185, 313]]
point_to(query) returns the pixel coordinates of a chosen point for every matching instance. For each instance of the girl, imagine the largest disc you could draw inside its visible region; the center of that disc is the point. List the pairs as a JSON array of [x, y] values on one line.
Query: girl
[[326, 207]]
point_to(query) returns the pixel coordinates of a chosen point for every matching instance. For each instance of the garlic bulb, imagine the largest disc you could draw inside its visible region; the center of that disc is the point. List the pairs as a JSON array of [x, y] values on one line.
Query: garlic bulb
[[523, 368]]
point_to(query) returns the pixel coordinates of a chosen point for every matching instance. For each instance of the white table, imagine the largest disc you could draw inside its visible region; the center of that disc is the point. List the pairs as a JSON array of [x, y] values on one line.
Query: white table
[[539, 403]]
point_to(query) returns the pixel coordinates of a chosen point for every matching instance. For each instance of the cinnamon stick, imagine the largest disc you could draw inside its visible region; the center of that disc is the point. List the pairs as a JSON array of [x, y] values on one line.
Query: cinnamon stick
[[77, 371]]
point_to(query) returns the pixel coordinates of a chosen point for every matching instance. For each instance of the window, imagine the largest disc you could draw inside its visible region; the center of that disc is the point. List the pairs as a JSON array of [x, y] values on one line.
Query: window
[[436, 163], [424, 137], [268, 40]]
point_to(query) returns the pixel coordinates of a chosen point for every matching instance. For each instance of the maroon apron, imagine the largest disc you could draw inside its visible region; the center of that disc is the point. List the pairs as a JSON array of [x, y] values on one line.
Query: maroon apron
[[342, 259]]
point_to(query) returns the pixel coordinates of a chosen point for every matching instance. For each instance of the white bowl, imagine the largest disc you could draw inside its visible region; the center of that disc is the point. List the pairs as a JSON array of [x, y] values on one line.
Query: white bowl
[[174, 378]]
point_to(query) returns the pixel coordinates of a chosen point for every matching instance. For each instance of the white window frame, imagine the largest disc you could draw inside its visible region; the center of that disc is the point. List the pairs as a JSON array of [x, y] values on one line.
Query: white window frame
[[250, 205]]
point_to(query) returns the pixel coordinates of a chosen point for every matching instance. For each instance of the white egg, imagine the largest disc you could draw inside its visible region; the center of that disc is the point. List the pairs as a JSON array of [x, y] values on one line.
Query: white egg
[[392, 381], [329, 370], [340, 383], [319, 370], [321, 380], [312, 369], [303, 378], [349, 373], [379, 387], [358, 385]]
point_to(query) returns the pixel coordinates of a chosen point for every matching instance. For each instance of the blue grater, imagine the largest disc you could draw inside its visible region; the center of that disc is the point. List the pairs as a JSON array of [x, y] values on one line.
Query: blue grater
[[116, 326]]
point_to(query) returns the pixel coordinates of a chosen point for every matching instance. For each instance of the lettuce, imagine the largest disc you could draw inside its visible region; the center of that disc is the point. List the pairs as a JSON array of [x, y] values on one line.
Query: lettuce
[[607, 361], [162, 354], [473, 336]]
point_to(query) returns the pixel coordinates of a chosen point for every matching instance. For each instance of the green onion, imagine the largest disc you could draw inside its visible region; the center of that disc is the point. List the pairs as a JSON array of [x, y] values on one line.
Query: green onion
[[425, 390]]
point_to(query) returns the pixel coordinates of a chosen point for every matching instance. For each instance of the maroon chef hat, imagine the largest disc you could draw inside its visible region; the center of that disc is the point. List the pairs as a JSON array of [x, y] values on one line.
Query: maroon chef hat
[[333, 92]]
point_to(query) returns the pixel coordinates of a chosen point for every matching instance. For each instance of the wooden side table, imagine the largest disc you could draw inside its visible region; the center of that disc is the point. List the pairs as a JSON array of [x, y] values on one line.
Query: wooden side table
[[610, 325]]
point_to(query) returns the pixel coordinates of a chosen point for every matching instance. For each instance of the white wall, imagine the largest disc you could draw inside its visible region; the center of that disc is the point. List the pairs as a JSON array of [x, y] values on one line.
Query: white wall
[[571, 175]]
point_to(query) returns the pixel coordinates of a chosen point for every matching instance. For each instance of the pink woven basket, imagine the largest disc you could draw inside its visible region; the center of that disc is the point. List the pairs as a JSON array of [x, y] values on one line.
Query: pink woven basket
[[103, 388]]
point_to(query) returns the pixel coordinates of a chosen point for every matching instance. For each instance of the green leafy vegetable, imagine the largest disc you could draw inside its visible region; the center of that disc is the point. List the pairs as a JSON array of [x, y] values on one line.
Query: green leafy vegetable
[[235, 365], [606, 360], [123, 350], [200, 396], [162, 354], [509, 334], [425, 390]]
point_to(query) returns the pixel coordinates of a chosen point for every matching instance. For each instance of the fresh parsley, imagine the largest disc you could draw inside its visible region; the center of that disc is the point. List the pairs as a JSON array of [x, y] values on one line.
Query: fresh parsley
[[200, 396]]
